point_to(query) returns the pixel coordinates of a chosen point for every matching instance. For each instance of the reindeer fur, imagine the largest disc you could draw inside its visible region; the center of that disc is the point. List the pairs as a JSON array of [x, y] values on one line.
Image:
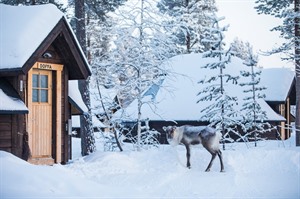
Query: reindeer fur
[[190, 135]]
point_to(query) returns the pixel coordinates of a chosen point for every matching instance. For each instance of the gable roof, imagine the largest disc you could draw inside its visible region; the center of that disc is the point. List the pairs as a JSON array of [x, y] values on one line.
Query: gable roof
[[177, 98], [27, 32]]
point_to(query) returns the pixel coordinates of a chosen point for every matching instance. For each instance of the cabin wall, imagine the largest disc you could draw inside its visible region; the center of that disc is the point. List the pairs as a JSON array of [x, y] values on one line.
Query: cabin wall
[[158, 126], [274, 134], [11, 134], [6, 132], [13, 126], [283, 109]]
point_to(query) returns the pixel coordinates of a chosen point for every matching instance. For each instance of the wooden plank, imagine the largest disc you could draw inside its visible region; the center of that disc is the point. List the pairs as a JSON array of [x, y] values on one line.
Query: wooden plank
[[48, 66], [288, 114], [58, 115], [5, 149], [5, 119], [5, 143], [29, 105], [66, 117], [42, 133], [5, 134], [5, 126]]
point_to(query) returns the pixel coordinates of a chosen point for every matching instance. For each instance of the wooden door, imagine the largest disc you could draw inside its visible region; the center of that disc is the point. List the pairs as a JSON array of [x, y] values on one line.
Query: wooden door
[[41, 114]]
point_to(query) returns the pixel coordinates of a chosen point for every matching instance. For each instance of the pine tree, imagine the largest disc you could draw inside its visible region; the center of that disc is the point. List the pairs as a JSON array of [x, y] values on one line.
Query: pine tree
[[34, 2], [220, 113], [188, 17], [253, 124], [290, 31]]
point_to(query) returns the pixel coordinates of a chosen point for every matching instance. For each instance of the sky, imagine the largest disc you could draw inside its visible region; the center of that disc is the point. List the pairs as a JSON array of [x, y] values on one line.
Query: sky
[[247, 25]]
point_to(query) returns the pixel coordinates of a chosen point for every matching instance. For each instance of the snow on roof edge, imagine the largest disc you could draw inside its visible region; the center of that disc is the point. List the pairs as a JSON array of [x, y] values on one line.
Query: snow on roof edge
[[11, 105], [75, 95]]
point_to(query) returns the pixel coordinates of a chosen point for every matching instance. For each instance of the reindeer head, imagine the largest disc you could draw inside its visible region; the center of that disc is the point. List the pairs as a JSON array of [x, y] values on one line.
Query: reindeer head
[[170, 132]]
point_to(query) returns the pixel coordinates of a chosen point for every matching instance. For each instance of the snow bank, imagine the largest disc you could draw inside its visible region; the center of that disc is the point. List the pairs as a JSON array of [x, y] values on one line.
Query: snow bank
[[271, 170], [262, 172], [20, 179]]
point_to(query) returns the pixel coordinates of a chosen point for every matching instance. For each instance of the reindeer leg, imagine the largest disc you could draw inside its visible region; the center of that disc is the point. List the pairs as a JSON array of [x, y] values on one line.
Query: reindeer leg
[[213, 156], [188, 154], [221, 160]]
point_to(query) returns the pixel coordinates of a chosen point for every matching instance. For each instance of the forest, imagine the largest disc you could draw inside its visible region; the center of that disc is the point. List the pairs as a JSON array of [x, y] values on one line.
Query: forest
[[127, 44]]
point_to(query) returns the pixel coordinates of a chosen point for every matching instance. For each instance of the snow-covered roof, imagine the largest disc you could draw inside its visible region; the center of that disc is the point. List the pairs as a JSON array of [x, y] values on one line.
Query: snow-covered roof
[[278, 82], [177, 99], [75, 96], [10, 105], [10, 102], [27, 30], [23, 29]]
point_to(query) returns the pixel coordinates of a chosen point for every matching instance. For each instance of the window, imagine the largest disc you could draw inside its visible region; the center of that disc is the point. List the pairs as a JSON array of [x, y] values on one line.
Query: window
[[40, 88]]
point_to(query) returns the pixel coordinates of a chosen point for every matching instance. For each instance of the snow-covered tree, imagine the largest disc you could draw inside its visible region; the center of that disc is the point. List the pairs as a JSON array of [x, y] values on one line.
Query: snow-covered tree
[[253, 123], [289, 12], [221, 112], [34, 2], [88, 15], [140, 46], [240, 49], [188, 17]]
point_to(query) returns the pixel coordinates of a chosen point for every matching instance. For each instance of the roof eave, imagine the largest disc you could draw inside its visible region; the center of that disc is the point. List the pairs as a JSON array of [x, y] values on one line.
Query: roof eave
[[13, 112], [11, 72], [86, 70], [76, 106]]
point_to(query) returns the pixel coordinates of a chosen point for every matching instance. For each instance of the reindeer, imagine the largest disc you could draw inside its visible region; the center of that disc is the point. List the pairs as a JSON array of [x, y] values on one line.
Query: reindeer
[[191, 135]]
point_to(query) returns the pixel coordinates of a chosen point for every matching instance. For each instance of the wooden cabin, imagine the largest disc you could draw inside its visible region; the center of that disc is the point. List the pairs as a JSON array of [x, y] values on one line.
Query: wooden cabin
[[177, 96], [281, 95], [39, 55]]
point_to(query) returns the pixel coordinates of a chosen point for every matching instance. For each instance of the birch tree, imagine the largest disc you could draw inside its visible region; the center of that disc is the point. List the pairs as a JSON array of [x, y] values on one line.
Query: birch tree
[[140, 46]]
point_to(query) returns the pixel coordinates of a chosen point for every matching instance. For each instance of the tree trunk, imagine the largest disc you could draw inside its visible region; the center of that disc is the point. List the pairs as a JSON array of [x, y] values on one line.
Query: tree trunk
[[139, 124], [297, 69], [80, 23], [86, 126], [109, 119]]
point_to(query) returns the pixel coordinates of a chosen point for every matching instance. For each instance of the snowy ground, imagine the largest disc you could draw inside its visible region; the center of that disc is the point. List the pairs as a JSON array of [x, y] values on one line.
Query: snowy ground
[[271, 170]]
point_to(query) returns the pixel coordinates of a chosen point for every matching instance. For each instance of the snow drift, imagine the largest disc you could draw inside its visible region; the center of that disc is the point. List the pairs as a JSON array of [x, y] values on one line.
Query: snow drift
[[271, 170]]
